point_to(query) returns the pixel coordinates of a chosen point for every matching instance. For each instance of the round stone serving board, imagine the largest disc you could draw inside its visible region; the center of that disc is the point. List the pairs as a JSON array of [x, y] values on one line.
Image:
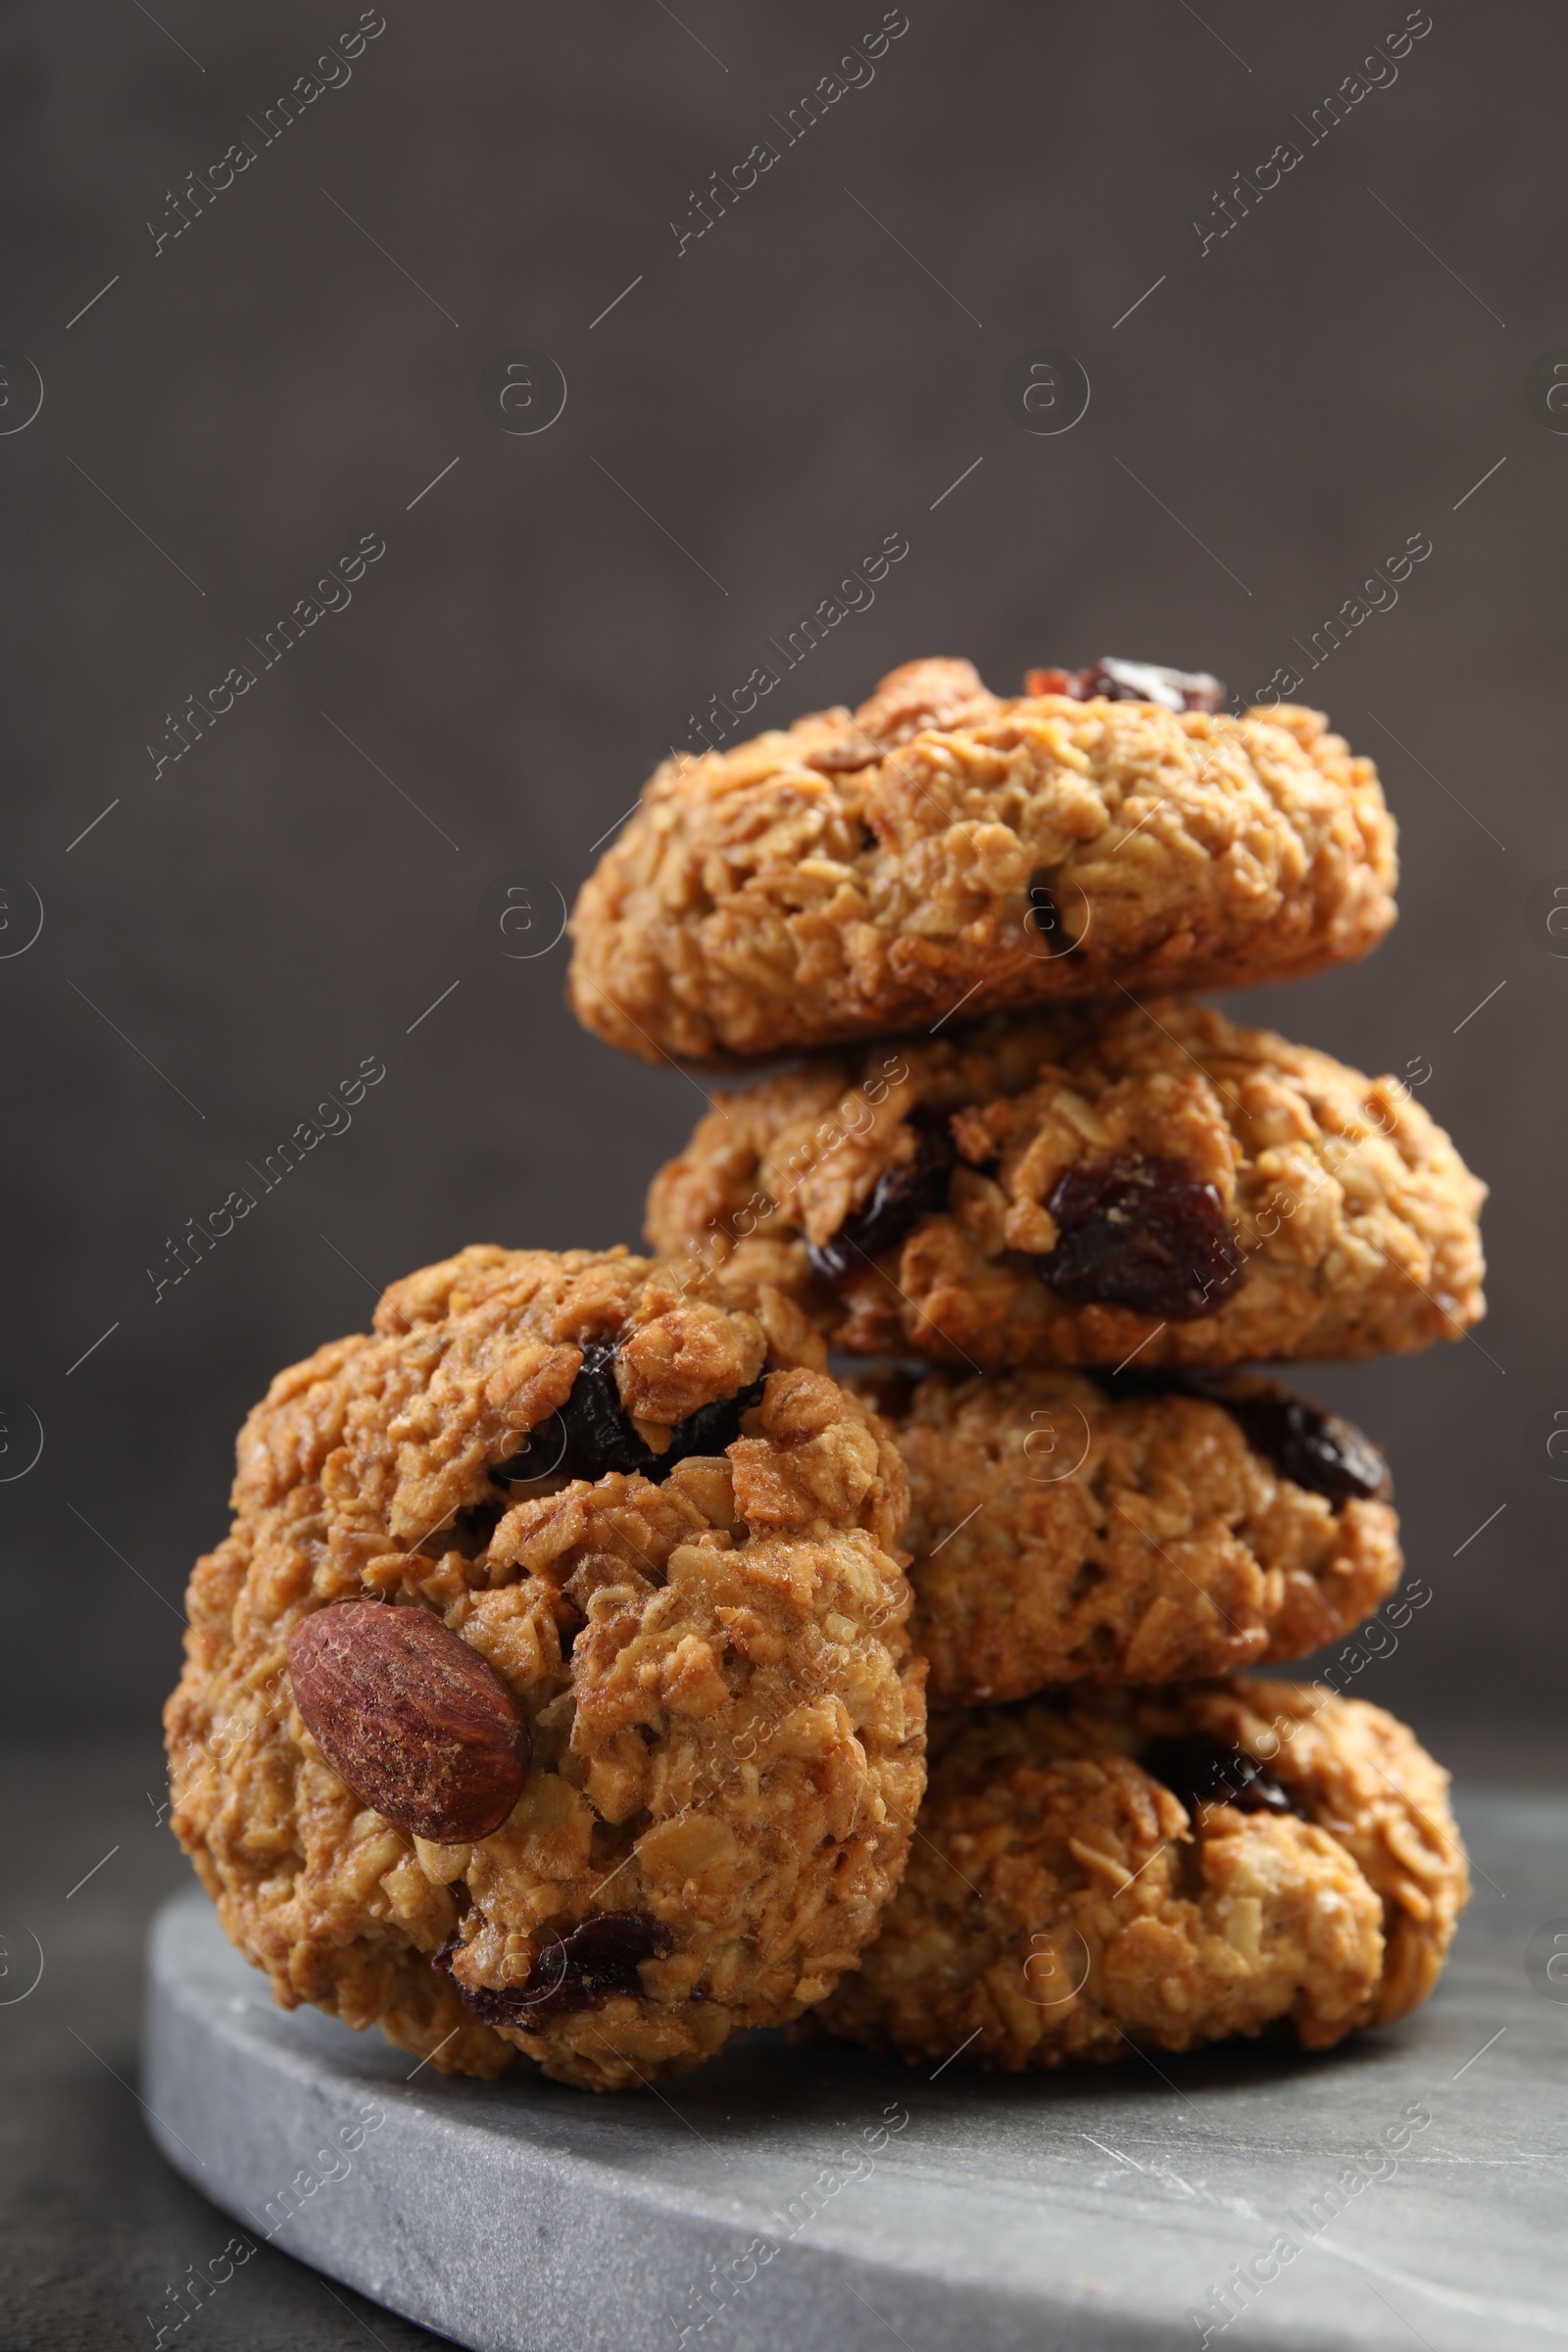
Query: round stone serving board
[[811, 2200]]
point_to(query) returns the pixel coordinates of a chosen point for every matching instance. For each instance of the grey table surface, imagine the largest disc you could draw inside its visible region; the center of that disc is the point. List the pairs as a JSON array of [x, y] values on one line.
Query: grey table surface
[[1096, 2208]]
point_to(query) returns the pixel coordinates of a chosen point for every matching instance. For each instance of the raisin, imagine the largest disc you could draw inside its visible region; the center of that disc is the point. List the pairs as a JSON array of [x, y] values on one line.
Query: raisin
[[541, 1452], [1298, 1439], [1142, 1233], [1117, 681], [933, 1118], [899, 1200], [580, 1970], [600, 1436], [599, 1957], [710, 1430], [1202, 1771], [1044, 917], [593, 1433], [1312, 1448]]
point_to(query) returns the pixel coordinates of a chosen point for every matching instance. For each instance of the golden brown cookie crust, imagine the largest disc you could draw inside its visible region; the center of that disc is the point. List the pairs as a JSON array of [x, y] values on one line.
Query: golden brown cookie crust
[[1062, 1904], [1061, 1535], [1352, 1214], [726, 1719], [871, 871]]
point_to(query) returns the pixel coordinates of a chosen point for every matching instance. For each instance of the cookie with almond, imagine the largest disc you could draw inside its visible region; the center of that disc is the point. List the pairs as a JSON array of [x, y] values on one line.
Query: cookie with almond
[[552, 1691]]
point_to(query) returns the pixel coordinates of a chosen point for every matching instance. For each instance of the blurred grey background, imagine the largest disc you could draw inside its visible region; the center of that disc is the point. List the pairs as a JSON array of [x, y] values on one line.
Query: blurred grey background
[[250, 368]]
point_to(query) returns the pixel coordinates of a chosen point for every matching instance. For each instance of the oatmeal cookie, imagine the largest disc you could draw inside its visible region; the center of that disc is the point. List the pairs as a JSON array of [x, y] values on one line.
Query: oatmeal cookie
[[942, 845], [1083, 1186], [1151, 1870], [552, 1691], [1064, 1531]]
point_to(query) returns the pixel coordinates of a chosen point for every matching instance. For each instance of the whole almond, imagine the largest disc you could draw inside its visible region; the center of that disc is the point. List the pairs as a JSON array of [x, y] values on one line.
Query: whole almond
[[421, 1726]]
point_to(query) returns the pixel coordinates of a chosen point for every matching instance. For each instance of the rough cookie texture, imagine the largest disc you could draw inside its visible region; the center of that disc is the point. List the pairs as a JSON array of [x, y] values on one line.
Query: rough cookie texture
[[726, 1720], [869, 871], [1061, 1903], [1351, 1219], [1062, 1534]]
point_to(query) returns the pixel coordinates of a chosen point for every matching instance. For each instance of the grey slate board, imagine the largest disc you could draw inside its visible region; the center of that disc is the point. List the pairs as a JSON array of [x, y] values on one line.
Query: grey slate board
[[789, 2200]]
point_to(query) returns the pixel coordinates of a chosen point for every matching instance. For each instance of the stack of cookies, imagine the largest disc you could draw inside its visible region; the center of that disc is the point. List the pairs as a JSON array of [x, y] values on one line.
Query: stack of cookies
[[561, 1686], [1070, 1204]]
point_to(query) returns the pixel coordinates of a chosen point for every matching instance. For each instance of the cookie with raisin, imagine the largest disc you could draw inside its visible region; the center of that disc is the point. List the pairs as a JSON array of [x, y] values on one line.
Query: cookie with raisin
[[1151, 1870], [552, 1691], [1155, 1184], [1065, 1529], [871, 871]]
